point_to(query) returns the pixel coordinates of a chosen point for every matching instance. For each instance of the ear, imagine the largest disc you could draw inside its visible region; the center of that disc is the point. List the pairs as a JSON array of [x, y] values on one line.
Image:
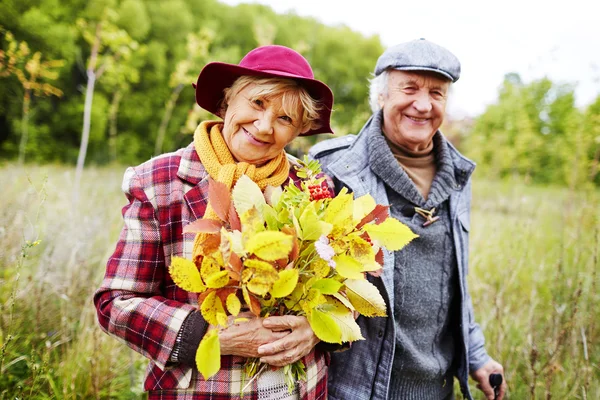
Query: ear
[[380, 100]]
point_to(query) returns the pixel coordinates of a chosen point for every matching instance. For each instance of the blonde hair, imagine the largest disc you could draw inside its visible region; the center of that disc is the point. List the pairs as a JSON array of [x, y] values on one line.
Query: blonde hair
[[296, 101]]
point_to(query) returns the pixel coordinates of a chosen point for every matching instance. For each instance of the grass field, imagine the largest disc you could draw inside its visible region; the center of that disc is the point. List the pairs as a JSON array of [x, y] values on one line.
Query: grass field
[[535, 257]]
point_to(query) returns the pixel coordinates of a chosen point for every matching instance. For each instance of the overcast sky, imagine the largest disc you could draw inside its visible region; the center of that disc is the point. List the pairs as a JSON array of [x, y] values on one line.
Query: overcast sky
[[535, 38]]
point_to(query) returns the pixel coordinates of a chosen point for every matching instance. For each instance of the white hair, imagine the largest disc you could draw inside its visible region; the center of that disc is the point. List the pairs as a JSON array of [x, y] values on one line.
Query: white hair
[[378, 86]]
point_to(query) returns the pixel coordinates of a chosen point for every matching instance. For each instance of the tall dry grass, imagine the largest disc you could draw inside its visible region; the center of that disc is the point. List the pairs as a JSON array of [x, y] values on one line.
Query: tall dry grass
[[534, 280]]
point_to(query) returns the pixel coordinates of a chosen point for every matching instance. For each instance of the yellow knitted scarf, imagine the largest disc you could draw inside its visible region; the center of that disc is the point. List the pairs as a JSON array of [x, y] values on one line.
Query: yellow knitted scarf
[[222, 167]]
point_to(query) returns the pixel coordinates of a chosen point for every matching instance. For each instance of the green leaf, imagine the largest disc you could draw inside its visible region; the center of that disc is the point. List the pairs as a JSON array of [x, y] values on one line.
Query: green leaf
[[391, 233], [327, 286], [312, 228], [285, 284], [185, 274], [365, 298], [348, 267], [208, 355], [325, 327], [246, 194], [270, 245]]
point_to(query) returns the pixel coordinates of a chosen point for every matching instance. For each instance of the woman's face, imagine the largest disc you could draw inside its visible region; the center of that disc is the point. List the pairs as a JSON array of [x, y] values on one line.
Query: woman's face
[[257, 129]]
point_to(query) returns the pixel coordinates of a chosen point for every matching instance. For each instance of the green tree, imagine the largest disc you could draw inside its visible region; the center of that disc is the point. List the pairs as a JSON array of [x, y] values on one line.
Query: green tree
[[31, 72], [109, 46]]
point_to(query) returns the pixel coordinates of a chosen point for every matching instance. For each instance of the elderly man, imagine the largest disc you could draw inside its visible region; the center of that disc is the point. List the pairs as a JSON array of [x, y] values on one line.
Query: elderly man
[[402, 159]]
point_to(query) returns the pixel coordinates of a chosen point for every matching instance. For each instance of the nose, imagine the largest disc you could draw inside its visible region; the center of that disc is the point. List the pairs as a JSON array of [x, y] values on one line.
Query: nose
[[422, 103], [264, 123]]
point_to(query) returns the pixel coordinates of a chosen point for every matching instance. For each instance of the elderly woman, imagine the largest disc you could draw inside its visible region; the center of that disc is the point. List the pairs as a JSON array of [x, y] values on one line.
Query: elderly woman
[[265, 102]]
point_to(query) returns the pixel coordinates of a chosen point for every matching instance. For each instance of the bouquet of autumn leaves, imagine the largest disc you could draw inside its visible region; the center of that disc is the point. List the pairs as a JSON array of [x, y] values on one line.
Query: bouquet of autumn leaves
[[294, 251]]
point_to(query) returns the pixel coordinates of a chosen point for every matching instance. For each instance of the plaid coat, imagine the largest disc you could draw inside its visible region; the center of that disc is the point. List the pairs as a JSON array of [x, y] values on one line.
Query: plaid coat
[[139, 304]]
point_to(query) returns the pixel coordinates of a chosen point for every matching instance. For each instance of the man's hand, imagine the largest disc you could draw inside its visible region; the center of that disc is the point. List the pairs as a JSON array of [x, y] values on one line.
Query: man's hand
[[482, 376], [244, 338], [298, 343]]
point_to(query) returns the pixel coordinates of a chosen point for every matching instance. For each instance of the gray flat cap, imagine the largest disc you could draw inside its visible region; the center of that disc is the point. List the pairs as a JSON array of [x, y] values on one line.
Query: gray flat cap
[[420, 55]]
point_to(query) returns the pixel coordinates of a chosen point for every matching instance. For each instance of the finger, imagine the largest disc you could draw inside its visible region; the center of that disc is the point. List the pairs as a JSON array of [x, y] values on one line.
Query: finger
[[278, 346], [487, 389], [283, 358], [286, 322]]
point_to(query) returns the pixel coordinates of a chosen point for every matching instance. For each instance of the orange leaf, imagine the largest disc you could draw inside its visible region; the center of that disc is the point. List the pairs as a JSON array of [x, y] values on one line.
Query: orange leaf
[[224, 292], [203, 226], [379, 214], [219, 198], [202, 296], [235, 262], [252, 301], [234, 219]]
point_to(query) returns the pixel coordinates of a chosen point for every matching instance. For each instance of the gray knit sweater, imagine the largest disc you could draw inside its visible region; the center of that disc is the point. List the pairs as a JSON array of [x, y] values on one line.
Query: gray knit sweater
[[424, 277]]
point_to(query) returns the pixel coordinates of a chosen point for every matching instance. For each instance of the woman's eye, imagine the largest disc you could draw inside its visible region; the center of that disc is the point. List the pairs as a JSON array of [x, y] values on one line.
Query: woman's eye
[[258, 102], [286, 118]]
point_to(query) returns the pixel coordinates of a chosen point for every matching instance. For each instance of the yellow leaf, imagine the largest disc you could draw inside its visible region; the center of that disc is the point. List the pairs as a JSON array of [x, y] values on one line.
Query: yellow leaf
[[233, 239], [246, 275], [208, 355], [320, 268], [345, 320], [270, 245], [233, 304], [185, 275], [363, 206], [209, 267], [285, 284], [339, 212], [260, 284], [252, 222], [343, 300], [327, 286], [212, 310], [262, 266], [391, 233], [348, 267], [360, 250], [246, 194], [325, 327], [312, 228], [365, 297], [218, 279]]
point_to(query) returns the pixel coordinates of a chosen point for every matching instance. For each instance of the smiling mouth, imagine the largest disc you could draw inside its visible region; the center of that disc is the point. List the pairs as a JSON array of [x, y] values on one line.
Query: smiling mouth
[[252, 138], [417, 119]]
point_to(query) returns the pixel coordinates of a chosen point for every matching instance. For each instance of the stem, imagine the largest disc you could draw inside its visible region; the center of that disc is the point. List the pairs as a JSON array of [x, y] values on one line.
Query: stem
[[24, 126]]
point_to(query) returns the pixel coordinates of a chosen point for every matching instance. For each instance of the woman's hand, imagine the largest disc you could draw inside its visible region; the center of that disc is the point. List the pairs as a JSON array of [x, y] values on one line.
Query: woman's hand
[[298, 342], [244, 338]]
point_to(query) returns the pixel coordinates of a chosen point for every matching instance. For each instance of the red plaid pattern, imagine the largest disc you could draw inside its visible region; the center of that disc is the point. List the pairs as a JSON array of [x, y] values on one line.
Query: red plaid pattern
[[139, 304]]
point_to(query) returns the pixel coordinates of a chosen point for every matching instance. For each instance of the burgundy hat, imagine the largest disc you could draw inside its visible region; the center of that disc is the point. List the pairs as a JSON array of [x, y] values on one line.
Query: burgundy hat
[[267, 61]]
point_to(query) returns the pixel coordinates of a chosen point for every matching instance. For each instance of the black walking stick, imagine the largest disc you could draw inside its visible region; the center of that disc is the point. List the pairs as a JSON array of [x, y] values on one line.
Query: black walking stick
[[496, 382]]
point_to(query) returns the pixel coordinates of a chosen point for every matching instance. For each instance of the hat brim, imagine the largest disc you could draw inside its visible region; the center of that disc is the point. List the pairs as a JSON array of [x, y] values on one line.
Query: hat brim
[[217, 76], [439, 71]]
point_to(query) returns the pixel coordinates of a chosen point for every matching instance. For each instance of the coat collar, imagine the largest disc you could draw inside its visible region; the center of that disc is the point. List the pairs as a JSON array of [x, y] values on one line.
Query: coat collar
[[191, 169]]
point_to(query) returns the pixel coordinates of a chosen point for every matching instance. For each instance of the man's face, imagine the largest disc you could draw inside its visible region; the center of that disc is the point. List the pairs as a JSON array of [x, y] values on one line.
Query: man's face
[[413, 107]]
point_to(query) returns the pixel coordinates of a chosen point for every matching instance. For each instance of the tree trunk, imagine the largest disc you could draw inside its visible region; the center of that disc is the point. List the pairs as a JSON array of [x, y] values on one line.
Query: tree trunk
[[85, 134], [24, 126], [162, 129], [112, 131]]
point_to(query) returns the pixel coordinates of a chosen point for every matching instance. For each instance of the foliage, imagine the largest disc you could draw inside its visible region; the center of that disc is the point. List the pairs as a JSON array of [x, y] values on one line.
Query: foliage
[[535, 131], [293, 251], [140, 91]]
